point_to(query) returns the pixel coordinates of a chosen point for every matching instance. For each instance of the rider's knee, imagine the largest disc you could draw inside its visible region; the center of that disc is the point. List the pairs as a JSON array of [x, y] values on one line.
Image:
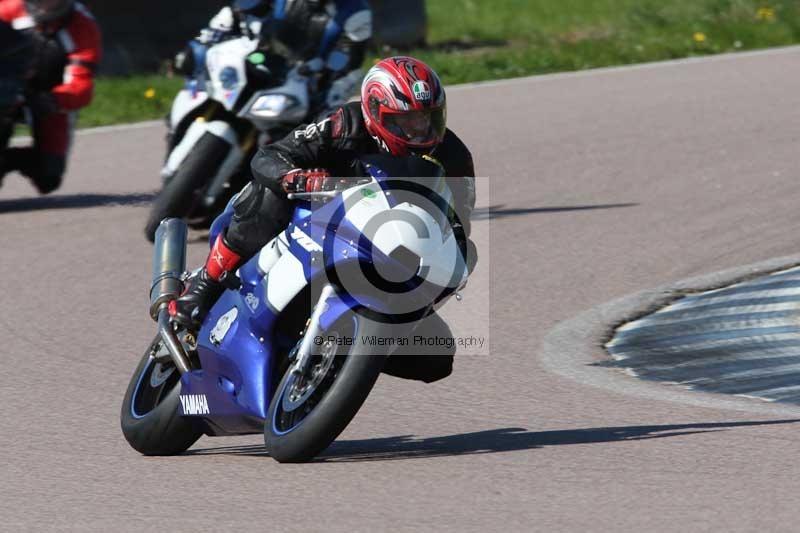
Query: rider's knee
[[259, 214], [248, 201], [429, 355]]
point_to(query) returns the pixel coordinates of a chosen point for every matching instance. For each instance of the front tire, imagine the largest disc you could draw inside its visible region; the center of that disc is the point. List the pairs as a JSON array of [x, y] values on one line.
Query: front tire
[[181, 193], [309, 426], [149, 417]]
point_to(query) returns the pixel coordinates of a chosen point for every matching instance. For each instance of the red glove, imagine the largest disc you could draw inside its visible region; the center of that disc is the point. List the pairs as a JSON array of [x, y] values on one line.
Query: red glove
[[306, 180]]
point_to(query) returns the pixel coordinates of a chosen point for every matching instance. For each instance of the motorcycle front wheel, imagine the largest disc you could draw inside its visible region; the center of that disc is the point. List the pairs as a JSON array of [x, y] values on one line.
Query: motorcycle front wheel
[[308, 412], [181, 193]]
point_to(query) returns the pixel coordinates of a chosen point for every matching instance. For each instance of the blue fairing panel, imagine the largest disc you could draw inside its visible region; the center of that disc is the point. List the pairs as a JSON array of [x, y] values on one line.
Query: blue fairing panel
[[235, 345]]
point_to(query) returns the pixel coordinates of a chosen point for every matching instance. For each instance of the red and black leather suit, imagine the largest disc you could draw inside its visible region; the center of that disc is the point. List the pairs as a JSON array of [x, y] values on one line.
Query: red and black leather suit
[[69, 50]]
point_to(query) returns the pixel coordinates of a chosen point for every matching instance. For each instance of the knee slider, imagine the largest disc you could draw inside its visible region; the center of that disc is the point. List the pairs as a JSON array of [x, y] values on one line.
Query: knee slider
[[248, 203]]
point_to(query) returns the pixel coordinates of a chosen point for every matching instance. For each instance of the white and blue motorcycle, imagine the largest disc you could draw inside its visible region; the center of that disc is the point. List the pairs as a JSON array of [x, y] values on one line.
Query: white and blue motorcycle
[[240, 97], [294, 346]]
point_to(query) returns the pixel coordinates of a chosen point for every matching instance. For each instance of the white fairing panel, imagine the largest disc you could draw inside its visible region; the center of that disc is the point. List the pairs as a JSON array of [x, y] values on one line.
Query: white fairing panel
[[286, 279], [185, 102], [226, 69], [438, 249], [222, 21], [270, 254], [221, 129]]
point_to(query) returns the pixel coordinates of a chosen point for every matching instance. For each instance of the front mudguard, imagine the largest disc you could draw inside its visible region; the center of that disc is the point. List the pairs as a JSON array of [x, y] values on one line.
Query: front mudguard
[[371, 307], [185, 106], [198, 128]]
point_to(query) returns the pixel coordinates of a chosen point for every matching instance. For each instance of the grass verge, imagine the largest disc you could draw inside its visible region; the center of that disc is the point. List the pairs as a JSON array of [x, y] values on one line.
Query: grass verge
[[474, 40]]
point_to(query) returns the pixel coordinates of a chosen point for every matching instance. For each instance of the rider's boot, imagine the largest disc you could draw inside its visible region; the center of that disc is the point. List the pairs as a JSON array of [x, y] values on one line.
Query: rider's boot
[[9, 162], [203, 289]]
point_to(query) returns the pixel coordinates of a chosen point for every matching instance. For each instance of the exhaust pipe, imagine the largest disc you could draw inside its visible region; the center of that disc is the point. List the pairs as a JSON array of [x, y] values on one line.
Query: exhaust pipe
[[169, 262]]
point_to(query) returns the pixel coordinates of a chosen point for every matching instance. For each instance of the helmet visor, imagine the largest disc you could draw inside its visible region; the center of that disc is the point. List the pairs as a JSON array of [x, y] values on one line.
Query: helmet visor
[[416, 127]]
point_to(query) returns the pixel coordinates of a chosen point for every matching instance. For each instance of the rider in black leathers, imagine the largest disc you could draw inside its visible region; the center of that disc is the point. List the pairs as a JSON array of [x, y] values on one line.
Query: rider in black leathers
[[262, 208]]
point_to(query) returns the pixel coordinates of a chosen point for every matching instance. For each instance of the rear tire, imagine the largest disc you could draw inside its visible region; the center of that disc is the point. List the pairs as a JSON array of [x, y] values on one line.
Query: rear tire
[[338, 405], [149, 417], [181, 193]]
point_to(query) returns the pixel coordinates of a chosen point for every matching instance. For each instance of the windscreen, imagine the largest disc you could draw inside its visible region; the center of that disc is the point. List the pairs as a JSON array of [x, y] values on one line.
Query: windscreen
[[414, 179]]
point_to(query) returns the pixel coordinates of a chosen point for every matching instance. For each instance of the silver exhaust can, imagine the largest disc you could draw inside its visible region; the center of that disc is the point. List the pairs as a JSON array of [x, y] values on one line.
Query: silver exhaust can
[[169, 263]]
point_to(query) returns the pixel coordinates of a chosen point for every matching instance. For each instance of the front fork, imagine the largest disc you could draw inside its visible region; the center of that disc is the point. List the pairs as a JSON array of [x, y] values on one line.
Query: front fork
[[230, 167], [303, 357]]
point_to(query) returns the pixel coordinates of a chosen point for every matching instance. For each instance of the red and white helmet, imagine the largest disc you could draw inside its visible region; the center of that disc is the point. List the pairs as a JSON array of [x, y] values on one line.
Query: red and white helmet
[[404, 106]]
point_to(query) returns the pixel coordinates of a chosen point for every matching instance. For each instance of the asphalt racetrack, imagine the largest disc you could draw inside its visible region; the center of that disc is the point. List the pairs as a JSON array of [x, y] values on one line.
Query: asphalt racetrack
[[602, 185]]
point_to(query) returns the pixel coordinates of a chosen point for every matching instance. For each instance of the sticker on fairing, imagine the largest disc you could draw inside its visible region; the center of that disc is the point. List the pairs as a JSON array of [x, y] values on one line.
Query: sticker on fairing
[[306, 242], [252, 301], [222, 326]]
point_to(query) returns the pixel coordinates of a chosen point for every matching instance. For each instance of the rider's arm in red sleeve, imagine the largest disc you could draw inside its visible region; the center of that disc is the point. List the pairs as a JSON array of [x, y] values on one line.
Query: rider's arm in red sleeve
[[84, 49]]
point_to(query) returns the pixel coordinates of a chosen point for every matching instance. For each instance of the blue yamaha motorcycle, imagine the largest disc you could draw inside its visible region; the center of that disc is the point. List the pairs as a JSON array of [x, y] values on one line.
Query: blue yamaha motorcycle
[[295, 344]]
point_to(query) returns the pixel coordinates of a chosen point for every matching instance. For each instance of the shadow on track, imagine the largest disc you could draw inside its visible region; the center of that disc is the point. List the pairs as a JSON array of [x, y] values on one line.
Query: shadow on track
[[491, 441], [72, 201], [498, 211]]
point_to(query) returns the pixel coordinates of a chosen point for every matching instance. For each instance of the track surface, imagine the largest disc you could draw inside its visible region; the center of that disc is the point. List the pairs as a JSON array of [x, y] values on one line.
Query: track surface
[[603, 184]]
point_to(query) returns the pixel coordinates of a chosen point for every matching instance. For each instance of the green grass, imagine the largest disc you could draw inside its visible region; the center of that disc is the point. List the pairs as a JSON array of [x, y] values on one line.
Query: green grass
[[473, 40], [127, 99]]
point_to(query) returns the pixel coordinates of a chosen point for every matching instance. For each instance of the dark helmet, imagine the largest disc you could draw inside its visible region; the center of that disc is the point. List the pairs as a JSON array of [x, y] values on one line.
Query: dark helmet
[[44, 11], [258, 8]]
